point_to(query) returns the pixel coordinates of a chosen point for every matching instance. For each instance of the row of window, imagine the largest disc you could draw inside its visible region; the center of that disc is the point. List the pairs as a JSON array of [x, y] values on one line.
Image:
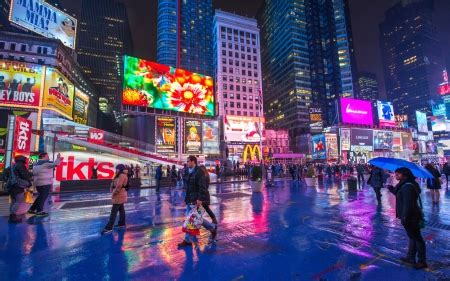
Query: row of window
[[236, 32], [236, 55], [21, 58], [238, 97], [236, 39], [236, 47], [238, 105], [238, 80], [236, 62], [231, 87], [243, 71], [239, 113], [23, 48]]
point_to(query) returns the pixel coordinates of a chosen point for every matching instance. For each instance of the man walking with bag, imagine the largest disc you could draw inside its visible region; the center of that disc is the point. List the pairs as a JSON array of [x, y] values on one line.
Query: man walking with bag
[[196, 194], [43, 180]]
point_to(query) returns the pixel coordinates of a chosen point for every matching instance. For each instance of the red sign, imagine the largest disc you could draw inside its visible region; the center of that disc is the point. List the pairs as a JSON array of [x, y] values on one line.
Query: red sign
[[71, 169], [96, 136], [444, 89], [22, 136]]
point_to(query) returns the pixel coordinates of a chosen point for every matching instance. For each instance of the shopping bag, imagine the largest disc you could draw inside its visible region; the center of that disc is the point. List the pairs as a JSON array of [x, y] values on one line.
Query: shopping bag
[[28, 197], [193, 221]]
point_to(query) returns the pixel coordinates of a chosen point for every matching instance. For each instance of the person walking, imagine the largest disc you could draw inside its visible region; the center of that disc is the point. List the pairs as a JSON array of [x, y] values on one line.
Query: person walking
[[158, 177], [434, 184], [360, 174], [206, 203], [119, 198], [18, 180], [196, 194], [43, 180], [407, 209], [173, 176], [446, 171], [376, 180]]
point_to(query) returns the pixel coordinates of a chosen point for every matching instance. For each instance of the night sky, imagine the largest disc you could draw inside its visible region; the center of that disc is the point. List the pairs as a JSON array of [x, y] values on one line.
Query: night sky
[[365, 17]]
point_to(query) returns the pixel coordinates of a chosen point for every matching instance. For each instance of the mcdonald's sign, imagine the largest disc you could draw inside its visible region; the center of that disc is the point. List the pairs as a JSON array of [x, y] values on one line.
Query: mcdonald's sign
[[252, 153]]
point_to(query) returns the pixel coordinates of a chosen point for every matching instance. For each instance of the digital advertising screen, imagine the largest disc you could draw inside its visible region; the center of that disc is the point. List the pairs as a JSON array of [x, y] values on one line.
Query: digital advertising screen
[[407, 141], [438, 123], [319, 149], [422, 125], [439, 109], [20, 83], [211, 137], [397, 144], [355, 111], [80, 107], [316, 121], [383, 140], [345, 139], [153, 85], [166, 135], [192, 136], [401, 121], [361, 139], [45, 20], [58, 92], [386, 115], [243, 128], [332, 146]]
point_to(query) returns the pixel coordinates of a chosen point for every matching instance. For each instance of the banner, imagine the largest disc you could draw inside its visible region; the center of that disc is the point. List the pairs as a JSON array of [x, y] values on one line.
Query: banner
[[4, 112], [407, 141], [362, 140], [20, 83], [80, 107], [211, 137], [386, 114], [355, 111], [96, 136], [316, 121], [243, 128], [383, 140], [438, 123], [45, 20], [397, 143], [22, 136], [319, 150], [345, 139], [331, 146], [58, 92], [166, 135], [192, 136], [421, 119]]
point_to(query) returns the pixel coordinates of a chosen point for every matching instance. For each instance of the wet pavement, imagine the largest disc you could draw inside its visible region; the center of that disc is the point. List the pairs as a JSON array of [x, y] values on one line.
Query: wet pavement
[[287, 232]]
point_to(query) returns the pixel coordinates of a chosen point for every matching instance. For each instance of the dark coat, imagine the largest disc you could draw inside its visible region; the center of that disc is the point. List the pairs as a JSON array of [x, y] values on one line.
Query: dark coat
[[158, 173], [197, 187], [406, 196], [434, 183], [21, 172], [377, 178]]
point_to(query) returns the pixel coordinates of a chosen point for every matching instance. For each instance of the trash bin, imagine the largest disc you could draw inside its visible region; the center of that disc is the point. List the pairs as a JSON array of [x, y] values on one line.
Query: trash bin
[[352, 184]]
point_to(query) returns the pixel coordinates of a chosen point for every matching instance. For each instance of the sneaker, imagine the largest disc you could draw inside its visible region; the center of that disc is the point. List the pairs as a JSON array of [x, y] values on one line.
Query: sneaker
[[184, 244], [421, 265], [106, 231], [408, 260], [32, 212], [41, 214], [120, 226]]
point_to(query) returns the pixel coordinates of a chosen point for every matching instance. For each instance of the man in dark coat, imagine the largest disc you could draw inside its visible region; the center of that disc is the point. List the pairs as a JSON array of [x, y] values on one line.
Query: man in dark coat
[[376, 180]]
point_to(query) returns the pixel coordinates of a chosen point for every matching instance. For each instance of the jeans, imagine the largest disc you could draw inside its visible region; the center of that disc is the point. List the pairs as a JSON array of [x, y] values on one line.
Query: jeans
[[206, 224], [112, 217], [158, 184], [361, 179], [416, 242], [210, 213], [16, 200], [377, 190], [39, 203]]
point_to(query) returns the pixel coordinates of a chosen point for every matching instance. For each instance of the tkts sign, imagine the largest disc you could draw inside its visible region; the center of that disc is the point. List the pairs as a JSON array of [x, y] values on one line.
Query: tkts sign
[[22, 136]]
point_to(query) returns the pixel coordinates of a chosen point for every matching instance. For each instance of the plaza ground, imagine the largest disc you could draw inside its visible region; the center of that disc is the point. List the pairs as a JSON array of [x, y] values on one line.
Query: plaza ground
[[288, 232]]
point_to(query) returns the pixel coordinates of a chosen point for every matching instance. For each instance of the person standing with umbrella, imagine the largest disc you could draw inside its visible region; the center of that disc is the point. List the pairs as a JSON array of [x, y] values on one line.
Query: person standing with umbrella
[[376, 180], [434, 184], [407, 209]]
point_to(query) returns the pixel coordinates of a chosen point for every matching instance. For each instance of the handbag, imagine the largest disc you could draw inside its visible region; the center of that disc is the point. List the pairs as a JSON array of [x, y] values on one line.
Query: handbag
[[28, 197], [193, 221]]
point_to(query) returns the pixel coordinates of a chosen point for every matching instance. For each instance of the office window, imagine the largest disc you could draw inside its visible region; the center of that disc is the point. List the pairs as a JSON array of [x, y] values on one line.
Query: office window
[[254, 58], [232, 87], [231, 96], [224, 78], [224, 61], [225, 95], [230, 62], [250, 89], [238, 96], [243, 80], [254, 50], [244, 89], [2, 45], [224, 86], [231, 103], [236, 55], [255, 74], [230, 53], [23, 48], [238, 88], [238, 105], [230, 46], [224, 69], [244, 105], [238, 80], [224, 45], [224, 53], [13, 47], [236, 47], [242, 48], [244, 97], [249, 57], [243, 71]]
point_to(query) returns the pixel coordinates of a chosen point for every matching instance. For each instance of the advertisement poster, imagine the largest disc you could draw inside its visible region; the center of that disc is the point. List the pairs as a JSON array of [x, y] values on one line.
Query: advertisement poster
[[58, 92], [319, 150], [422, 145], [96, 136], [431, 147], [438, 123], [345, 139], [20, 83], [211, 137], [362, 139], [80, 107], [407, 141], [166, 135], [332, 146], [149, 84], [4, 112], [397, 142], [386, 114], [355, 111], [45, 20], [192, 136], [439, 109], [401, 121], [243, 128], [383, 140], [315, 116], [22, 136], [422, 125]]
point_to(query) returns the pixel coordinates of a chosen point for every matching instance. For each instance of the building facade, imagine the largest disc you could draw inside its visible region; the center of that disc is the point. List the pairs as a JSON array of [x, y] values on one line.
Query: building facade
[[411, 57], [309, 64], [185, 35], [368, 86]]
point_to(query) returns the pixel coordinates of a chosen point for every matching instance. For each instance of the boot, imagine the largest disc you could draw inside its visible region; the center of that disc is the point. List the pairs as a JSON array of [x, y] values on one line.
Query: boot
[[13, 218]]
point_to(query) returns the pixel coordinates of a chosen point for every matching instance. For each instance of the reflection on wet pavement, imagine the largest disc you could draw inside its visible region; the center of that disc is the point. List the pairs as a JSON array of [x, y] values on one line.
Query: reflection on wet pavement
[[287, 232]]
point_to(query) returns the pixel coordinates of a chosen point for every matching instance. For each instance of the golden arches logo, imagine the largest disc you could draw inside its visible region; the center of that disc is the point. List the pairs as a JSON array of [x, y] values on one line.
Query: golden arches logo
[[254, 152]]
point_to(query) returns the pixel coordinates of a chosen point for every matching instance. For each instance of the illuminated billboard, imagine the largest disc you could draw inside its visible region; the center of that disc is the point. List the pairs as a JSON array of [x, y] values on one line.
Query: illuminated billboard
[[383, 140], [355, 111], [361, 139], [439, 109], [58, 92], [45, 20], [386, 113], [192, 136], [345, 139], [211, 137], [80, 107], [421, 119], [166, 135], [397, 143], [315, 116], [319, 149], [243, 128], [20, 83], [27, 114], [438, 123], [401, 121], [153, 85], [332, 146]]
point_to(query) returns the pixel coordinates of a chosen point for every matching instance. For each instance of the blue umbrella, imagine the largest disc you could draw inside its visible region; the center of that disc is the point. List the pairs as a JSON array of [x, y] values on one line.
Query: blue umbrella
[[392, 164]]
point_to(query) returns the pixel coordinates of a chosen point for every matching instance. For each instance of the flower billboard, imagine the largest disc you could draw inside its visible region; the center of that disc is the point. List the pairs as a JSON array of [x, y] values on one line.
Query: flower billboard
[[153, 85]]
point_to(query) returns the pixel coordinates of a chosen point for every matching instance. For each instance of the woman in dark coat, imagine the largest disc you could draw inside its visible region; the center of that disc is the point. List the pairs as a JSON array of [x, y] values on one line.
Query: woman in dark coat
[[434, 184], [407, 209]]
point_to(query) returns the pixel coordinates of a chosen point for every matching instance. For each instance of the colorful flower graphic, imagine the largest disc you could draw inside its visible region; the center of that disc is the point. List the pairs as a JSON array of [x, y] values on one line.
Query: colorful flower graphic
[[188, 98]]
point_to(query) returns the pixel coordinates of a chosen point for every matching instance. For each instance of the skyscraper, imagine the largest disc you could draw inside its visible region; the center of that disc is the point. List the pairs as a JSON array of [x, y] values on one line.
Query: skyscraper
[[411, 56], [185, 35], [368, 86], [309, 64], [103, 38]]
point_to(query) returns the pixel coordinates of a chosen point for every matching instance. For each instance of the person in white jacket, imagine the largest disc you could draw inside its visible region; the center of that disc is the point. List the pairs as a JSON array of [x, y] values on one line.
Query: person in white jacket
[[43, 180]]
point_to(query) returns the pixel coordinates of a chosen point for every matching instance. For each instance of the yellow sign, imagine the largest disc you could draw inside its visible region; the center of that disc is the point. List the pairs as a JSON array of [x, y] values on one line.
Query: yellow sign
[[253, 151], [58, 93]]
